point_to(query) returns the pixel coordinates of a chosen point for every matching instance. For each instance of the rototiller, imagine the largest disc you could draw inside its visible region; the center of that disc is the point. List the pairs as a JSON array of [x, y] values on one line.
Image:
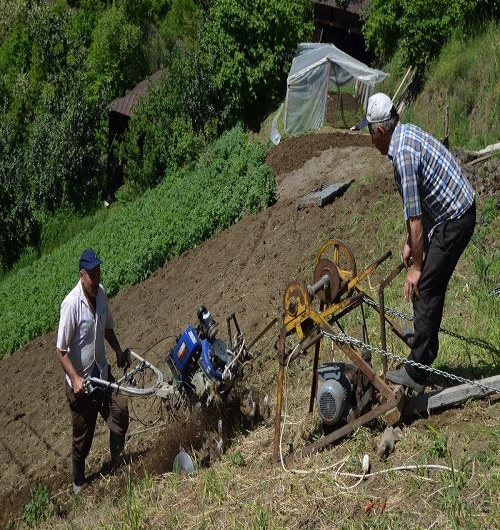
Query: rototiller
[[199, 368]]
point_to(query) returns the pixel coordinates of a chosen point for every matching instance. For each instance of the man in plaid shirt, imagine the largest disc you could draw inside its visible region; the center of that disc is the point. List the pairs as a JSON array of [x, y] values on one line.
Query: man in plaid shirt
[[440, 214]]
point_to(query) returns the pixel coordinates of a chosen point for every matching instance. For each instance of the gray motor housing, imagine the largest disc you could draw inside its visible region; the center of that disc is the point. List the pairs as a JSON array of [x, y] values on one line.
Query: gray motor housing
[[334, 390]]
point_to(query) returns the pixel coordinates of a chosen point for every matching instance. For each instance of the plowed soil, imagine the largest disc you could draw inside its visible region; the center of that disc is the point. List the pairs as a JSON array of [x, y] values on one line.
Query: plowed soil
[[243, 269]]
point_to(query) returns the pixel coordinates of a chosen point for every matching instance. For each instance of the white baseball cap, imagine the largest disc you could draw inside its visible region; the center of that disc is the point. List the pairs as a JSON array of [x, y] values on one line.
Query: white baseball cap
[[378, 109]]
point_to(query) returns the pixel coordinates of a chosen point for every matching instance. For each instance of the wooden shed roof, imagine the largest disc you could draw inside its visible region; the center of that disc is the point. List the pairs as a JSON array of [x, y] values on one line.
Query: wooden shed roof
[[352, 6], [125, 104]]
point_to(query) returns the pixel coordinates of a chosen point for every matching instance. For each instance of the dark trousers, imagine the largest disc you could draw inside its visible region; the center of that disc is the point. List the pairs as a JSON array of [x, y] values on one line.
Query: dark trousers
[[446, 246], [84, 410]]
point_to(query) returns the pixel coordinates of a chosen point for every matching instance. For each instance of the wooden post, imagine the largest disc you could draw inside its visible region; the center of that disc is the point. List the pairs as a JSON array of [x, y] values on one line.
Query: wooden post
[[446, 140], [281, 370], [383, 337]]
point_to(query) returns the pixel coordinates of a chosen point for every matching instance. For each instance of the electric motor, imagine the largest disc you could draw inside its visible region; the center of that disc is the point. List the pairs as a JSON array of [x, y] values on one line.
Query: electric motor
[[334, 393]]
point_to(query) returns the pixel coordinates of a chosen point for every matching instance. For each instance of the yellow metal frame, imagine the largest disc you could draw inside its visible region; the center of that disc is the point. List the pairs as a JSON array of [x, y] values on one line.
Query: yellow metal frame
[[301, 318]]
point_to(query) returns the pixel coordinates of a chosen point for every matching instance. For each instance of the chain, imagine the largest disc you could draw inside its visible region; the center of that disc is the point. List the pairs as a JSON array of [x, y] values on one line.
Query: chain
[[405, 316], [346, 339]]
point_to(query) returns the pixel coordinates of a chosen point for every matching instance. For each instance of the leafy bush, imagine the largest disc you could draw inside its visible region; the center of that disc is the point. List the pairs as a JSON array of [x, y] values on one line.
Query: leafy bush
[[237, 67], [17, 224], [251, 45], [39, 507], [181, 25], [172, 123], [134, 240], [64, 153]]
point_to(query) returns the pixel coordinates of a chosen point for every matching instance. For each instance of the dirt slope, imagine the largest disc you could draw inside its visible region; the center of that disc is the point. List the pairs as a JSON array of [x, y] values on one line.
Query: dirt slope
[[243, 269]]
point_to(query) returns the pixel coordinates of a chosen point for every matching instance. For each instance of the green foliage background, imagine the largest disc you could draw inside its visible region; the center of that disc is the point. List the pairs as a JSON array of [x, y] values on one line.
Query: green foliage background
[[135, 239], [63, 62], [466, 79], [418, 29], [222, 63]]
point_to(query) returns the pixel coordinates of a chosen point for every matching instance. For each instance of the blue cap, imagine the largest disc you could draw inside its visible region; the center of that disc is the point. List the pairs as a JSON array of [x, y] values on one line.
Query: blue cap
[[89, 260]]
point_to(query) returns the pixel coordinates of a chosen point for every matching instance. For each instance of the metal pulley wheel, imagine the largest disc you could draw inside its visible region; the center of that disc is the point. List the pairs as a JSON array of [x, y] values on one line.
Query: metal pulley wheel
[[329, 292], [341, 255], [296, 298]]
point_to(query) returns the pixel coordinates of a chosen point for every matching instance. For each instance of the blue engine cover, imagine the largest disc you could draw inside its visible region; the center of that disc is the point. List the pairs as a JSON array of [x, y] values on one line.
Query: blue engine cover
[[186, 347], [206, 363]]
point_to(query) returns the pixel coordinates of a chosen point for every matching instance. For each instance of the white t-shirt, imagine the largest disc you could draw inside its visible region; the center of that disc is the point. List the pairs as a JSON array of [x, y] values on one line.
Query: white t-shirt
[[81, 333]]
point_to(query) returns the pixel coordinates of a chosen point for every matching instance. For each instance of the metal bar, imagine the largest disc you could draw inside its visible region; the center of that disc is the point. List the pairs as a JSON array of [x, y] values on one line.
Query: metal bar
[[262, 333], [346, 429], [314, 382], [383, 337], [128, 390], [370, 373], [367, 271], [398, 331], [307, 344], [385, 282], [316, 287], [365, 327], [279, 396], [229, 332], [235, 320], [345, 305]]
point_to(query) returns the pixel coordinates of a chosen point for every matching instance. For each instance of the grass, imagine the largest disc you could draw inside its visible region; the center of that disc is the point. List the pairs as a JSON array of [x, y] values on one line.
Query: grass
[[468, 86], [262, 496], [39, 508]]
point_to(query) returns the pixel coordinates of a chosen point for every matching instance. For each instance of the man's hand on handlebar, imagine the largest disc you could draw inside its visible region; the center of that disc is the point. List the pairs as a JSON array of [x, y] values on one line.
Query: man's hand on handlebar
[[78, 384], [123, 360]]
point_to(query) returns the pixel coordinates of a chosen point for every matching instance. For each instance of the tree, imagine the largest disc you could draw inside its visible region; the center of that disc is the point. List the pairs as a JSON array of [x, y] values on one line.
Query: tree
[[11, 12], [181, 25], [117, 57], [251, 44], [18, 226], [65, 159], [163, 133]]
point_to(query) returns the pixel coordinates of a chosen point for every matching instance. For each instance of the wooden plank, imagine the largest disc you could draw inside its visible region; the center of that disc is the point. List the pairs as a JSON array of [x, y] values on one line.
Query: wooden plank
[[394, 415], [480, 159], [324, 195], [454, 395]]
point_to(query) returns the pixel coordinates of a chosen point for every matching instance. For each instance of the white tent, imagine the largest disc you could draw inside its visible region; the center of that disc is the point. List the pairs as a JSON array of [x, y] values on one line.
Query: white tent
[[315, 68]]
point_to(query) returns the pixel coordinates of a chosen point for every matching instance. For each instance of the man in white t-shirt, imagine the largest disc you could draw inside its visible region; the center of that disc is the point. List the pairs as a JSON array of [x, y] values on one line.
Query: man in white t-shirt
[[84, 323]]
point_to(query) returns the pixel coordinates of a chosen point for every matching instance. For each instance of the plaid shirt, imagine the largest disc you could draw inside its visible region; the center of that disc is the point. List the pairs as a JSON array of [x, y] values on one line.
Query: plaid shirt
[[429, 179]]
